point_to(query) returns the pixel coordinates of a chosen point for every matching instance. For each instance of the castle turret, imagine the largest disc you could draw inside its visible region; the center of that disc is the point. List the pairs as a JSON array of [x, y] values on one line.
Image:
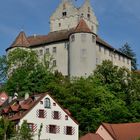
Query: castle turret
[[82, 51]]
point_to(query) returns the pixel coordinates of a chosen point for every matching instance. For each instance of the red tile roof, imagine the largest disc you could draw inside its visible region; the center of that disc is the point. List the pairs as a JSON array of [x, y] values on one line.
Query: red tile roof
[[56, 36], [82, 27], [3, 98], [25, 106], [126, 131], [21, 41], [91, 136]]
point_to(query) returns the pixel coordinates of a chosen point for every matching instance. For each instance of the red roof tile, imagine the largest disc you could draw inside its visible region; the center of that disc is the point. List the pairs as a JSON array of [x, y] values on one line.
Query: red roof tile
[[91, 136], [126, 131], [21, 41], [3, 98], [82, 27]]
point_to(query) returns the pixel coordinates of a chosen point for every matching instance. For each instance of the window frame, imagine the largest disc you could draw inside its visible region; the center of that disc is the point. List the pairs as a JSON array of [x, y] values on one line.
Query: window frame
[[47, 103], [41, 113], [52, 129]]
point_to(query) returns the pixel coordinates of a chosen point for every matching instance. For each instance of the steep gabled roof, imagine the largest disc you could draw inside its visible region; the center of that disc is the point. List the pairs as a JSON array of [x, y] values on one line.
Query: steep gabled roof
[[21, 41], [82, 27], [126, 131], [25, 106], [91, 136]]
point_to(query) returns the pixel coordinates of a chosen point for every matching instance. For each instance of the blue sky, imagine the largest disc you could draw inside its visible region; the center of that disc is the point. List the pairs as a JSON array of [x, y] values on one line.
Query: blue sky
[[119, 20]]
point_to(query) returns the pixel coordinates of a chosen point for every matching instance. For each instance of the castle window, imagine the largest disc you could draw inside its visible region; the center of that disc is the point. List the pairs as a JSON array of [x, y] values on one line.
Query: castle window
[[92, 28], [59, 24], [40, 52], [123, 59], [41, 113], [88, 9], [88, 16], [100, 48], [128, 61], [64, 14], [93, 38], [64, 6], [54, 49], [47, 50], [72, 38], [54, 63], [68, 130], [83, 37], [119, 57], [47, 103], [104, 50], [52, 129]]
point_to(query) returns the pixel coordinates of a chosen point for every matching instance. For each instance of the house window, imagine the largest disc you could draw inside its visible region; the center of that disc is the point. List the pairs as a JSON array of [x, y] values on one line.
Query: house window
[[41, 102], [64, 14], [30, 126], [72, 38], [54, 63], [41, 113], [47, 50], [54, 49], [52, 129], [68, 130], [47, 103], [56, 115], [66, 117], [54, 104]]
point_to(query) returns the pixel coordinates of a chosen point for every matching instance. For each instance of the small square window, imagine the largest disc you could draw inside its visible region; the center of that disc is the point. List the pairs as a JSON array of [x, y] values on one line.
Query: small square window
[[56, 115], [41, 113], [41, 102], [54, 104], [64, 14], [30, 126], [68, 130], [52, 129], [66, 117]]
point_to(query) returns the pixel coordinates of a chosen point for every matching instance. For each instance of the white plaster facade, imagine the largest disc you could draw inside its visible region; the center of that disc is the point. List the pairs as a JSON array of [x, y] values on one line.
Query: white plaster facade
[[32, 118]]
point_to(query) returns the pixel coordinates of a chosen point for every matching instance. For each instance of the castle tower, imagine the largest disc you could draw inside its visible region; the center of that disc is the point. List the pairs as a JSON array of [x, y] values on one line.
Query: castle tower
[[82, 51], [68, 16]]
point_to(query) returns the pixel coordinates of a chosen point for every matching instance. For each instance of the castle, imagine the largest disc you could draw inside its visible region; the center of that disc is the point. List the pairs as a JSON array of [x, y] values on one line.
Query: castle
[[73, 41]]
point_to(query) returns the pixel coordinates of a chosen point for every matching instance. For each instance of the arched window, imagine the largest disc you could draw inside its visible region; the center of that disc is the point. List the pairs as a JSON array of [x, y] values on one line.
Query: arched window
[[47, 103]]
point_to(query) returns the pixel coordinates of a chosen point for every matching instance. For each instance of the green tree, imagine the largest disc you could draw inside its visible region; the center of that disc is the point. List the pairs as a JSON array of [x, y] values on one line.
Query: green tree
[[6, 129], [25, 132], [126, 49]]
